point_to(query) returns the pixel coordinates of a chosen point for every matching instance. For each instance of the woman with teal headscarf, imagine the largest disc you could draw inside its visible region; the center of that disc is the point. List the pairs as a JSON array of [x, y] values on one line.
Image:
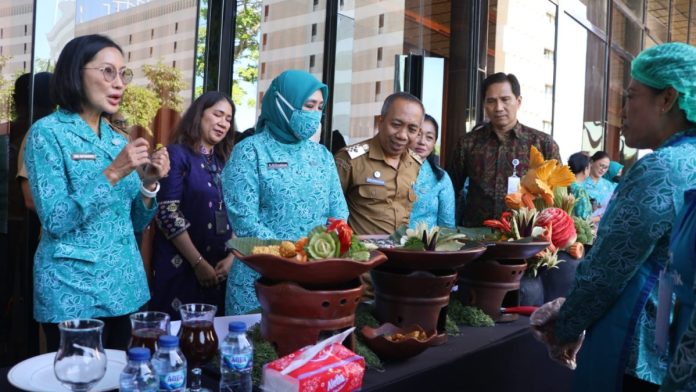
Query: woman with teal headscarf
[[614, 171], [278, 183], [615, 294]]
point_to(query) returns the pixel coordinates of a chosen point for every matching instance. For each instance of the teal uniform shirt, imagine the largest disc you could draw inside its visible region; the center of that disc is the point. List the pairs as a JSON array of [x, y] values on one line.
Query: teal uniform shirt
[[614, 296], [87, 263], [435, 202]]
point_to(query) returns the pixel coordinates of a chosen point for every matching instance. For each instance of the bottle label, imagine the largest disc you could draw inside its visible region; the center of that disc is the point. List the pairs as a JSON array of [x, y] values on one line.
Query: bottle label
[[238, 361], [173, 381]]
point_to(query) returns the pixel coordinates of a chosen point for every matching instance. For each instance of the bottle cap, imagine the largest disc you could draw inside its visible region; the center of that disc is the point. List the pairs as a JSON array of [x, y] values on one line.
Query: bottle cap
[[168, 341], [237, 326], [139, 353]]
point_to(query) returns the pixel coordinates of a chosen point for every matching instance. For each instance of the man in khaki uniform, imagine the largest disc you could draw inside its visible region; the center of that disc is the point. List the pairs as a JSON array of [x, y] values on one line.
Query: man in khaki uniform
[[378, 175]]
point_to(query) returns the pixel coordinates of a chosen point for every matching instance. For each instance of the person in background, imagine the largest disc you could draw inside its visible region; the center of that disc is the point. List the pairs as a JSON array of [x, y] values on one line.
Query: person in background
[[579, 164], [615, 294], [435, 202], [119, 122], [90, 189], [599, 188], [379, 174], [614, 171], [485, 155], [279, 184], [337, 141], [190, 260]]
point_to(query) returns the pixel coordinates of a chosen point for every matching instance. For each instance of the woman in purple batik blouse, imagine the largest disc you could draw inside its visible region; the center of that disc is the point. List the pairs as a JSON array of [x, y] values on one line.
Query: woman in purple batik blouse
[[190, 261]]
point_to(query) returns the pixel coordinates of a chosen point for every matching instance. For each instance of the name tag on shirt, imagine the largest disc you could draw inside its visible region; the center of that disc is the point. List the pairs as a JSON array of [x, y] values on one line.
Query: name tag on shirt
[[82, 156], [374, 181], [277, 165]]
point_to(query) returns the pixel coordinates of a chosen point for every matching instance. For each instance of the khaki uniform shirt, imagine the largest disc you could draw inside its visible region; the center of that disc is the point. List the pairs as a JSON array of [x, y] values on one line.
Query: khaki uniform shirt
[[380, 198]]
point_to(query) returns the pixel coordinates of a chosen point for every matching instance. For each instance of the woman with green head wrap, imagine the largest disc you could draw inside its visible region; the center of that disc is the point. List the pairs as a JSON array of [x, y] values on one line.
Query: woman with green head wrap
[[279, 184], [615, 294], [614, 171]]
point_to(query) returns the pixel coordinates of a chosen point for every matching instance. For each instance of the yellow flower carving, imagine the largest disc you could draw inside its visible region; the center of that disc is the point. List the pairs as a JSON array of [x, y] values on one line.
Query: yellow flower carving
[[543, 177]]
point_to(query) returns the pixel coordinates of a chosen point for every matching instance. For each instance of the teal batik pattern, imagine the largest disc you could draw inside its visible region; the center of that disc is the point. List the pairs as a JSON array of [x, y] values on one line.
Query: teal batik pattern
[[87, 263], [435, 202], [614, 296], [583, 206], [275, 190], [600, 191]]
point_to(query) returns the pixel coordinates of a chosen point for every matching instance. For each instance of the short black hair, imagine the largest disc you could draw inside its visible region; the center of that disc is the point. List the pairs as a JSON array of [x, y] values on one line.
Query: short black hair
[[188, 131], [578, 162], [399, 95], [435, 124], [599, 155], [66, 86], [501, 77]]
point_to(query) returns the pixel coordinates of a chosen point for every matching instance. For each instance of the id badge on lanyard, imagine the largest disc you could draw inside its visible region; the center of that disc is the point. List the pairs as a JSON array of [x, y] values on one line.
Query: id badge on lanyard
[[513, 182]]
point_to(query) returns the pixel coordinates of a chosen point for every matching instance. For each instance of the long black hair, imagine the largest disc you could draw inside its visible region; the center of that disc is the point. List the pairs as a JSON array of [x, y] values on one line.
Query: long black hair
[[439, 172]]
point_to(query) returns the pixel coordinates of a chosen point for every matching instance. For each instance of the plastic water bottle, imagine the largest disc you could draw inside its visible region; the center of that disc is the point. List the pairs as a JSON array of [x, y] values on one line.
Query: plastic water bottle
[[138, 375], [236, 360], [170, 364]]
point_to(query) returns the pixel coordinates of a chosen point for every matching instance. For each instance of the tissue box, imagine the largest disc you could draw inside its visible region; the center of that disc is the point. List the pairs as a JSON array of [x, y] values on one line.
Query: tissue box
[[333, 369]]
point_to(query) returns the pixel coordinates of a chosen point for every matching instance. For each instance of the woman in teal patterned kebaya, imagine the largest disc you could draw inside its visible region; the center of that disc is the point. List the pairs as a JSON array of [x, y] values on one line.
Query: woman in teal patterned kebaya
[[614, 296], [278, 183], [435, 203], [598, 187], [90, 190]]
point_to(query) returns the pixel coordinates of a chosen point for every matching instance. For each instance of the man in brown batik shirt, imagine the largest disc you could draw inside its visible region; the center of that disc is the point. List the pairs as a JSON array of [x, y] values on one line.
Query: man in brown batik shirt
[[378, 174], [485, 154]]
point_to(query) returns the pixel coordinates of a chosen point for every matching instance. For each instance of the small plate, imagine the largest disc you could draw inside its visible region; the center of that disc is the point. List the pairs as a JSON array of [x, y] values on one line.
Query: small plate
[[388, 349], [313, 272], [432, 260], [36, 373]]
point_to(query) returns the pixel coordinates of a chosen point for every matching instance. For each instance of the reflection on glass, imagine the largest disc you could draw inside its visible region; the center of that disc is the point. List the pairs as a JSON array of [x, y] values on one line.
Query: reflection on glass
[[680, 20], [619, 77], [249, 65], [579, 72], [595, 11], [625, 32], [657, 19], [635, 6]]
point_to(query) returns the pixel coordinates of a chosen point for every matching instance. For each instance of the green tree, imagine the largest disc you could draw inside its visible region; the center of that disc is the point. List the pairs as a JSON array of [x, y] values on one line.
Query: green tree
[[246, 49], [6, 90], [167, 83], [139, 106]]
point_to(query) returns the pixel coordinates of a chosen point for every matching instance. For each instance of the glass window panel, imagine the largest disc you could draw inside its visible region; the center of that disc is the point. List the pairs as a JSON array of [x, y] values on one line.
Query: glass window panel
[[158, 39], [293, 38], [692, 30], [595, 11], [657, 19], [578, 123], [528, 54], [625, 32], [619, 77], [680, 20], [635, 6]]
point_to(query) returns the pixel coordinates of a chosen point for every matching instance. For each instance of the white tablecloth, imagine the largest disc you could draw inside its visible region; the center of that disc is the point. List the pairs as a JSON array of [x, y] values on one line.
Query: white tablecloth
[[221, 323]]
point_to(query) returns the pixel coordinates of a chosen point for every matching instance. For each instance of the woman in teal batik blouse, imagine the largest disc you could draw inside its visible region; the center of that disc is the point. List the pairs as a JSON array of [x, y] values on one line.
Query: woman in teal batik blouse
[[598, 187], [90, 191], [614, 296], [435, 203], [278, 183], [579, 164]]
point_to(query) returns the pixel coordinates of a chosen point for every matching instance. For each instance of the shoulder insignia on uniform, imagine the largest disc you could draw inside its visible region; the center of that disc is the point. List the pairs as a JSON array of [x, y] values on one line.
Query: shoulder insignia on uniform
[[415, 156], [357, 150]]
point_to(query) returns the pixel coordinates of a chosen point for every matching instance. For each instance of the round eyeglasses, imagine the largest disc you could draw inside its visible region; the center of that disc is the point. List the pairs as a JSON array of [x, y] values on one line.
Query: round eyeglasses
[[110, 72]]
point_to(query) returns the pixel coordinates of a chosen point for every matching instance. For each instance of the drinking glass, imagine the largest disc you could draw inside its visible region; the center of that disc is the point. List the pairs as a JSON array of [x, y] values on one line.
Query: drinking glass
[[80, 361], [147, 327], [197, 336]]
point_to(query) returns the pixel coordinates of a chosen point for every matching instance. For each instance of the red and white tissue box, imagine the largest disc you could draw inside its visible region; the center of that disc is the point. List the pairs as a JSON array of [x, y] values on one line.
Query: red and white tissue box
[[334, 369]]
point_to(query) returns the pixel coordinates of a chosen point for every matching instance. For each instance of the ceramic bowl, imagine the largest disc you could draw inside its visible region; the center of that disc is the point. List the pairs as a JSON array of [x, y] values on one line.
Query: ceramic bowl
[[375, 339], [432, 260]]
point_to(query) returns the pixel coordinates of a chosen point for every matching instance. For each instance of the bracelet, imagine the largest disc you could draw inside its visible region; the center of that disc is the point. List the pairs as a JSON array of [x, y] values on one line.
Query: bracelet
[[148, 193], [198, 261]]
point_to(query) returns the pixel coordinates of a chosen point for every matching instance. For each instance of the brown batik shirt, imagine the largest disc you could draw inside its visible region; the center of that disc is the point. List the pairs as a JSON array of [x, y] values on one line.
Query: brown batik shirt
[[486, 160]]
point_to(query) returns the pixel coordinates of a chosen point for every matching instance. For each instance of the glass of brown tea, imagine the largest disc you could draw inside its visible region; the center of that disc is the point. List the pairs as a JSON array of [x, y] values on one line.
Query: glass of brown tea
[[197, 336], [147, 327]]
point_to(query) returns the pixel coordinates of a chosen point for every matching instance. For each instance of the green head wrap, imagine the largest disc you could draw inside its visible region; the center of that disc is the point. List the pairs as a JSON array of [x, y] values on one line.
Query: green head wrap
[[670, 65], [613, 170], [296, 87]]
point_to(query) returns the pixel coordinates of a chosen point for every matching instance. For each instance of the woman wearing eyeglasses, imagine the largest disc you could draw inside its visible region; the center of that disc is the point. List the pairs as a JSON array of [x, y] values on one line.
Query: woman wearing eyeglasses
[[190, 261], [599, 188], [91, 188]]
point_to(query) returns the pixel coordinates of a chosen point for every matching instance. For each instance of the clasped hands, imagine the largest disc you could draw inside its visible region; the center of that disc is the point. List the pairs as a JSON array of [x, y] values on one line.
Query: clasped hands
[[543, 322], [136, 156]]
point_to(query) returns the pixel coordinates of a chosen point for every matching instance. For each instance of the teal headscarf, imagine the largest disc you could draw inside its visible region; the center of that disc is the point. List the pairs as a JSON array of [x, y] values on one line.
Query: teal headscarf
[[670, 65], [613, 170], [296, 87]]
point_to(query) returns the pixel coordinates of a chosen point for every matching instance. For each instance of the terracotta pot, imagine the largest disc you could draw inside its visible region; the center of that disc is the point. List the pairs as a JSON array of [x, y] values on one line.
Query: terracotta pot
[[485, 283], [414, 298], [293, 316]]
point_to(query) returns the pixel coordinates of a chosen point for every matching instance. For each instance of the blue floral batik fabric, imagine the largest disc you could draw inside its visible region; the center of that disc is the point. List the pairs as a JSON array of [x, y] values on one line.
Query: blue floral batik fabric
[[600, 191], [583, 206], [435, 202], [276, 190], [87, 263], [614, 296]]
